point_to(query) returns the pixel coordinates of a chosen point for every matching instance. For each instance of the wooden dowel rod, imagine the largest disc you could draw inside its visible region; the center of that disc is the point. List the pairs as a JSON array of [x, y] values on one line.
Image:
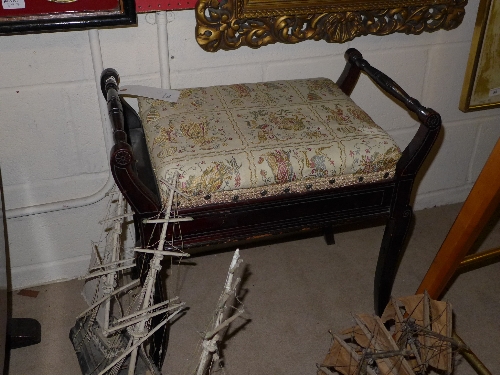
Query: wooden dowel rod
[[104, 265], [151, 308], [483, 256], [161, 252], [95, 274], [171, 220], [116, 291], [475, 213]]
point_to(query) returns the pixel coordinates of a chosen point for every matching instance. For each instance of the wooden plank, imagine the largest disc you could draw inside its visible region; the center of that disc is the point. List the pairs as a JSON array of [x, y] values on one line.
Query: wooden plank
[[480, 205]]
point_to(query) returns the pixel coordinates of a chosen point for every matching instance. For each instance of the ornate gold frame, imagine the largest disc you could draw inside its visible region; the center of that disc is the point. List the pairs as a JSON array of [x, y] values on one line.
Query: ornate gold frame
[[230, 24]]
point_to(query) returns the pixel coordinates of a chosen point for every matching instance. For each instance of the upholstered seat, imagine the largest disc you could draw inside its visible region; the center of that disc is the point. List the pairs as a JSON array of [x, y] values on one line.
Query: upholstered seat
[[238, 142]]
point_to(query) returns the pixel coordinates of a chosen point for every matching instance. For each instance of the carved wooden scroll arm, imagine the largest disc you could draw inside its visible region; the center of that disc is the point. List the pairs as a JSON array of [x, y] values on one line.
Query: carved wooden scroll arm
[[142, 200], [122, 159]]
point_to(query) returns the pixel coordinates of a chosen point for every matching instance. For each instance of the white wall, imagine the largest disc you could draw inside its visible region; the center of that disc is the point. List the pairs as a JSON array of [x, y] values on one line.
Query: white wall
[[52, 144]]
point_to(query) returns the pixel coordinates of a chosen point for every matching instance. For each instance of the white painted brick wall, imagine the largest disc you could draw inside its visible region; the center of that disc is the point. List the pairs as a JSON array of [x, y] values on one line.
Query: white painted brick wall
[[52, 142]]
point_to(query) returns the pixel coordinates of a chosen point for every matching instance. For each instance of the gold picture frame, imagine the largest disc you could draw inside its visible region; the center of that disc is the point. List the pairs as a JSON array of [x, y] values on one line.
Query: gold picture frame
[[230, 24], [481, 88]]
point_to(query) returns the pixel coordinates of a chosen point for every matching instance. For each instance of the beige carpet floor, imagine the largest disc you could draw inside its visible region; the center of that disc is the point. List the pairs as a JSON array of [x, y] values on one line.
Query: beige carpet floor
[[293, 293]]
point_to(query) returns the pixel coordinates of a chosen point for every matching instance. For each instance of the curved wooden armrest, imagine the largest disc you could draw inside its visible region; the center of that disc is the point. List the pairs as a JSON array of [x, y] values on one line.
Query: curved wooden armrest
[[406, 169], [122, 160], [427, 116], [416, 151]]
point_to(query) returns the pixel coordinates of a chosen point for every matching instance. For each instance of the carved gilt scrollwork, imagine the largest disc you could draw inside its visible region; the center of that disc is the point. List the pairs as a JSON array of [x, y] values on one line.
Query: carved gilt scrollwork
[[218, 27]]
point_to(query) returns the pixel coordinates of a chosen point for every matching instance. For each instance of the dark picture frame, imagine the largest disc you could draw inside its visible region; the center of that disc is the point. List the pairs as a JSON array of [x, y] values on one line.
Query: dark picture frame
[[34, 16]]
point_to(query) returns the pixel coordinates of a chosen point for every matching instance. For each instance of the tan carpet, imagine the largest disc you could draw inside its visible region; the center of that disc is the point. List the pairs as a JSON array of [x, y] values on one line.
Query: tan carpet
[[293, 293]]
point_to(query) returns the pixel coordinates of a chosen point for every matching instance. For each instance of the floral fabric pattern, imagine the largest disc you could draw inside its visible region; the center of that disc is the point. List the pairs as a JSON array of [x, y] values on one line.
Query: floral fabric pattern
[[239, 141]]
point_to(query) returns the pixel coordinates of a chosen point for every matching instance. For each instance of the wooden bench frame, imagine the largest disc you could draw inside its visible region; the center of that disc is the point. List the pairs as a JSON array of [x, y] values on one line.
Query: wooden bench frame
[[229, 223]]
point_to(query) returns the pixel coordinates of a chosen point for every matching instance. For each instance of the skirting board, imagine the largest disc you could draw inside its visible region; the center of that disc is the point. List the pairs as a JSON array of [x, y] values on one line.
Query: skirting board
[[50, 272], [441, 198]]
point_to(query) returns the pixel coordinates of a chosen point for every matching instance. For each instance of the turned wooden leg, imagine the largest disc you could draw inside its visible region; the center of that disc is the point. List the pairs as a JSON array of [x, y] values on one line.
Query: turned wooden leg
[[329, 235], [480, 205], [389, 257]]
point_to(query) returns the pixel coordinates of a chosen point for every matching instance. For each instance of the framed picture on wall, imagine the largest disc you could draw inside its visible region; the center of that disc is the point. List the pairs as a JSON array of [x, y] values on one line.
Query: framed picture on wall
[[31, 16], [231, 24], [481, 88]]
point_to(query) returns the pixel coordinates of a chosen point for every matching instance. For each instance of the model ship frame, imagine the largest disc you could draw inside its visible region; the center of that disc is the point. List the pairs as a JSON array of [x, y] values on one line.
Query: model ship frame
[[124, 329], [230, 24]]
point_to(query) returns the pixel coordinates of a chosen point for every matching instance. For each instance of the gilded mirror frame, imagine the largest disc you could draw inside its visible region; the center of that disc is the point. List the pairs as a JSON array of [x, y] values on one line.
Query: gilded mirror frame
[[230, 24]]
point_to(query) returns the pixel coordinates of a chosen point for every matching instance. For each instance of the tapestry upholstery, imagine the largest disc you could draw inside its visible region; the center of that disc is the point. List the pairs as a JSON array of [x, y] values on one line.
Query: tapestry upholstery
[[236, 142]]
